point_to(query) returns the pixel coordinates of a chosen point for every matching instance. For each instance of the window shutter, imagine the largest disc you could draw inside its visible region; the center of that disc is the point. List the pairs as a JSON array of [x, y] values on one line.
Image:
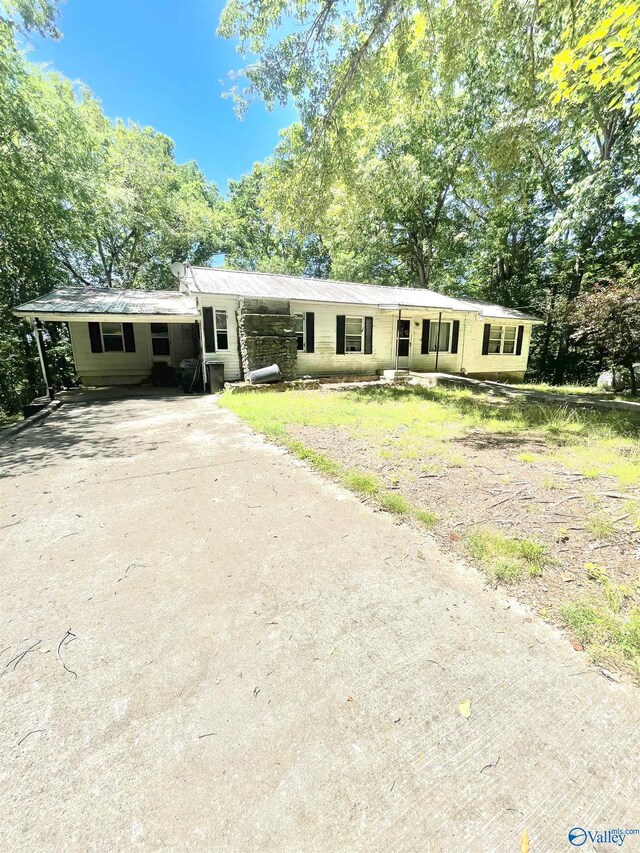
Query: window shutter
[[455, 334], [209, 331], [95, 337], [340, 332], [310, 338], [368, 335], [519, 340], [129, 339], [485, 339], [424, 347]]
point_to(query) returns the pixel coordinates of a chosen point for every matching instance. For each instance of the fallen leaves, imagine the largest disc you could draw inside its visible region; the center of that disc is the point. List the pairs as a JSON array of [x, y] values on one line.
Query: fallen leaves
[[465, 708]]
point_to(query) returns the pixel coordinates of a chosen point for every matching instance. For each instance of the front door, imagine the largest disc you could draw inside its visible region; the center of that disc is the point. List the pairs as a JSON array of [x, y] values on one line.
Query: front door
[[403, 342]]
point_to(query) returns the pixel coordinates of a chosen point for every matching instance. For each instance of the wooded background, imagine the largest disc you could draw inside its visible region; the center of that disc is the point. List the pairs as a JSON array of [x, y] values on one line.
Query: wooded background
[[475, 147]]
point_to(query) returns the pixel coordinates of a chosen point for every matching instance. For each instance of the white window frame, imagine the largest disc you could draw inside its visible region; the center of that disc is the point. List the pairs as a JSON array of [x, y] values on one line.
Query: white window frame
[[160, 336], [435, 325], [348, 335], [225, 331], [502, 339], [303, 315], [111, 335]]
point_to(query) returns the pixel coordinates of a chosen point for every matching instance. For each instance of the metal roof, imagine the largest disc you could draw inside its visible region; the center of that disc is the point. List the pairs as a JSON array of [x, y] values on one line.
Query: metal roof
[[274, 286], [95, 300]]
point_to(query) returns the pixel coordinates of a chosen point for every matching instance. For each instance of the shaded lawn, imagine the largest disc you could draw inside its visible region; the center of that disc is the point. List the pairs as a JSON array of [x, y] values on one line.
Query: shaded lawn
[[544, 498], [581, 390]]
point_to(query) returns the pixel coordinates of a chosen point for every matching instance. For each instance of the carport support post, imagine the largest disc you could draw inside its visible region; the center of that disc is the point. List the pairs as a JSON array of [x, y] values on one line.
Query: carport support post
[[201, 325], [37, 331]]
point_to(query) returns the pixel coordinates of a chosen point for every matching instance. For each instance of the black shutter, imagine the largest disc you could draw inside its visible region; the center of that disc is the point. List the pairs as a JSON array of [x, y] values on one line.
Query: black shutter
[[519, 340], [95, 337], [310, 319], [340, 332], [368, 335], [129, 339], [424, 348], [209, 331], [455, 334], [485, 339]]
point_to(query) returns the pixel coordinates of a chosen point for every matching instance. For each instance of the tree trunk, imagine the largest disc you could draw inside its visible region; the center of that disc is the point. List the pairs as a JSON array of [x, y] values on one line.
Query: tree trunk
[[634, 384]]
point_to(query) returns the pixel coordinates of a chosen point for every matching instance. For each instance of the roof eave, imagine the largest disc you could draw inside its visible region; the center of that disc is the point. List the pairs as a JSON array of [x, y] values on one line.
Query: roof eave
[[81, 317]]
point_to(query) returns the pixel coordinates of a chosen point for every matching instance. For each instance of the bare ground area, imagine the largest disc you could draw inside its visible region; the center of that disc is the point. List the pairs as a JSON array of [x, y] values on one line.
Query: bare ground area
[[206, 646], [544, 499], [490, 485]]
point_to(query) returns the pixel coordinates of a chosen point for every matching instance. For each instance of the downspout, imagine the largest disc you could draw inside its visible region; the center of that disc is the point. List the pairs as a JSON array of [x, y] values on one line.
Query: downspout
[[438, 341], [37, 332]]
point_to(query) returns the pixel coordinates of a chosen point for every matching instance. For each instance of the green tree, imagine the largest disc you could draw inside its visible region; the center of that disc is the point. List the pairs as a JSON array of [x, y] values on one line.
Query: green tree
[[82, 201], [141, 212], [254, 241], [433, 147], [607, 317]]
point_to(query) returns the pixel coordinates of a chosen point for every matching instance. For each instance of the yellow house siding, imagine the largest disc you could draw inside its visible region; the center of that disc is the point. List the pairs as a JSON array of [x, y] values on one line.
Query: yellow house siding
[[131, 368], [127, 368], [324, 360], [475, 362], [111, 368], [230, 357]]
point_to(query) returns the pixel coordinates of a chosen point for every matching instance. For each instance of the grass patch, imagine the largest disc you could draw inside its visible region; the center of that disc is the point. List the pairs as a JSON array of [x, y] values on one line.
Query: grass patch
[[427, 518], [395, 502], [600, 527], [607, 636], [506, 558], [364, 484], [9, 420], [317, 460], [616, 594], [572, 390], [527, 457]]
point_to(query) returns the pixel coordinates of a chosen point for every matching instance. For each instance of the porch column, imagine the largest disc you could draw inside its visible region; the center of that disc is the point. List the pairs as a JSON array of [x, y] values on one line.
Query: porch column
[[438, 340], [37, 331]]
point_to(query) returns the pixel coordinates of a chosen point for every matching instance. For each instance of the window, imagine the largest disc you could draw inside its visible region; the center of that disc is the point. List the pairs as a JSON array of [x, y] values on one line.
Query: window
[[502, 339], [112, 337], [222, 335], [509, 339], [354, 329], [444, 343], [298, 328], [160, 339]]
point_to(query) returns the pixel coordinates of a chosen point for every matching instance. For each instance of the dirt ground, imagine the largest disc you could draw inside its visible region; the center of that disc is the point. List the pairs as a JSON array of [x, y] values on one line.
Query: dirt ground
[[206, 646], [492, 487]]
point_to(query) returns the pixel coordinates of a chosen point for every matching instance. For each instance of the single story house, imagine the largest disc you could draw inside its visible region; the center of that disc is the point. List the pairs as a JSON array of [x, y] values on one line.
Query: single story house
[[309, 327]]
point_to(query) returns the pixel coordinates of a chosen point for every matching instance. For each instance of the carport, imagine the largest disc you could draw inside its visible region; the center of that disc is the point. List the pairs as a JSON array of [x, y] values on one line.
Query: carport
[[118, 337]]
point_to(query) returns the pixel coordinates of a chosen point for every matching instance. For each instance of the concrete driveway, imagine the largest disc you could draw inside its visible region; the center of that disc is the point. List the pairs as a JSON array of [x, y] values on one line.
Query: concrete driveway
[[226, 652]]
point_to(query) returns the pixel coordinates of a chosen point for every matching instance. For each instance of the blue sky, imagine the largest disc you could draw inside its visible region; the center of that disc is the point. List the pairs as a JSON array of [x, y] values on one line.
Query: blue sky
[[160, 63]]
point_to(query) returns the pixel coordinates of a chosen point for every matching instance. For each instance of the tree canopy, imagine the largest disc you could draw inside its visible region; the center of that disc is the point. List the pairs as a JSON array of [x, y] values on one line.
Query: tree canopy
[[476, 147], [83, 200]]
